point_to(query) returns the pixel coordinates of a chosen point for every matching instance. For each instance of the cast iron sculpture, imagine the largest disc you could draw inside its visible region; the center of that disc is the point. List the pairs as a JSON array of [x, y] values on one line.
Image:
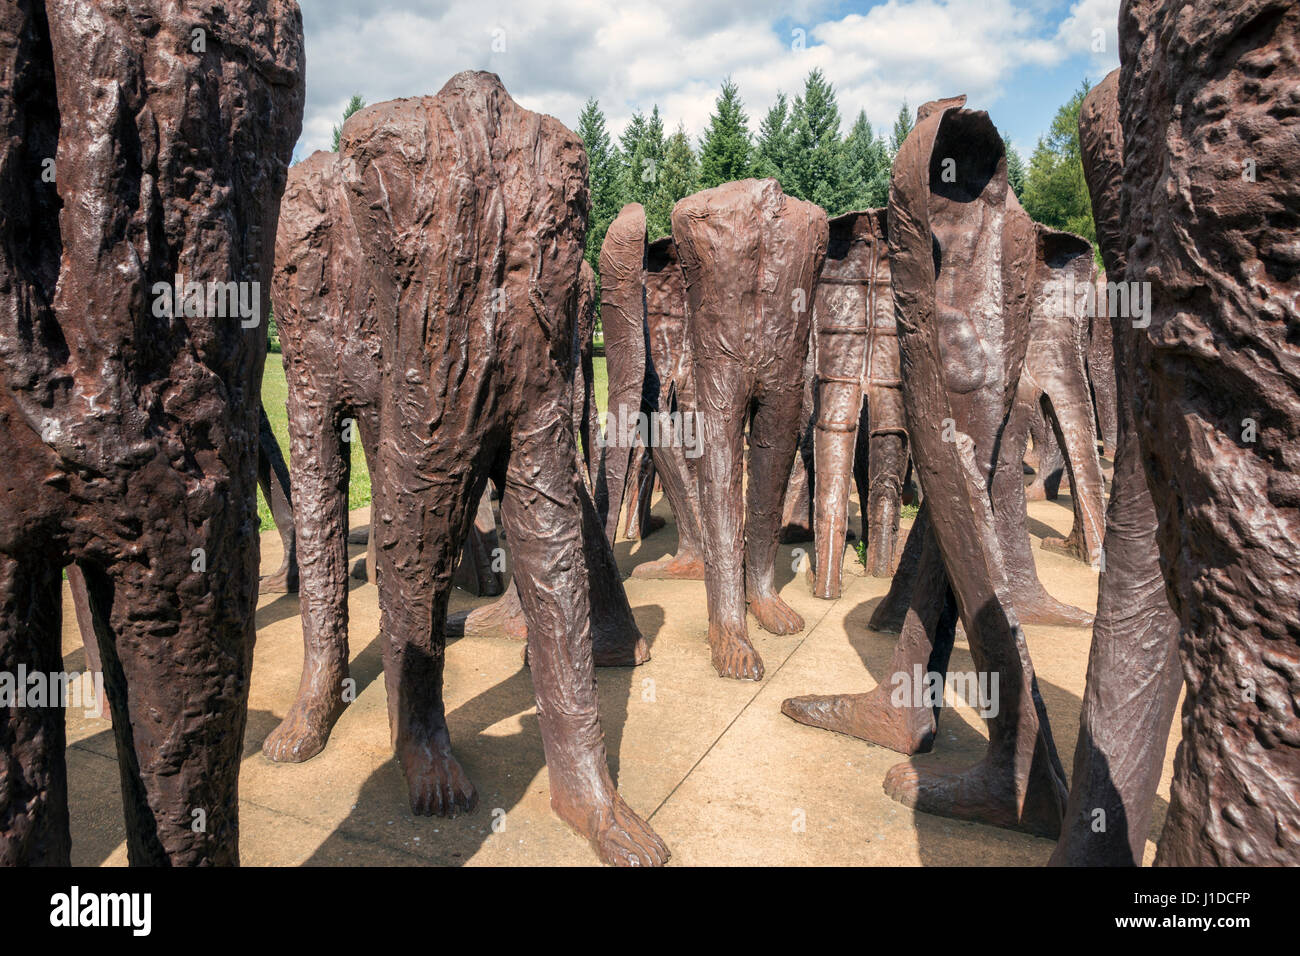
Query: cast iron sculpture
[[750, 256], [633, 390], [676, 454], [1055, 382], [330, 335], [471, 213], [1052, 383], [1211, 207], [133, 288], [1133, 672], [961, 254], [858, 386]]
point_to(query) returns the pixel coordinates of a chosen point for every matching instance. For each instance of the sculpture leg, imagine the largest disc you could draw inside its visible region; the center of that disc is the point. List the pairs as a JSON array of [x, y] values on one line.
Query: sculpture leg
[[891, 612], [273, 479], [773, 436], [886, 463], [1032, 602], [884, 716], [421, 525], [163, 627], [1133, 679], [474, 571], [1071, 418], [86, 628], [639, 521], [34, 784], [321, 469], [841, 418], [670, 464], [1049, 463], [543, 520], [722, 396], [1133, 670]]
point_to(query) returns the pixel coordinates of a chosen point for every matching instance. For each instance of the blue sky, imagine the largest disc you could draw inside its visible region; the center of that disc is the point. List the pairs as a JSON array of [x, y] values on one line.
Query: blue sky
[[1018, 59]]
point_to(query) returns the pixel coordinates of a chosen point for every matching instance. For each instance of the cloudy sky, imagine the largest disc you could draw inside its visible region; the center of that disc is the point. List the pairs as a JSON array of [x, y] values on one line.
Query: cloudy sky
[[1018, 59]]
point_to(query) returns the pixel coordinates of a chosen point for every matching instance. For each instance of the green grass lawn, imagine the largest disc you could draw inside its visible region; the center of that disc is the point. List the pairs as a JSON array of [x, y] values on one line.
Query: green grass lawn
[[275, 399]]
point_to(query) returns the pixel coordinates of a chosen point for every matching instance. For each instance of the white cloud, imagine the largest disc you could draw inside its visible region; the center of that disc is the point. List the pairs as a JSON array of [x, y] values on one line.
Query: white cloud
[[1093, 28], [632, 54]]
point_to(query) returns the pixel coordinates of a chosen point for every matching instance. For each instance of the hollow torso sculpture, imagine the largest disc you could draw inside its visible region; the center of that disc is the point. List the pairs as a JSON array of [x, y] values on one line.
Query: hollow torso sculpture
[[750, 256], [633, 391], [1133, 673], [676, 451], [962, 339], [329, 331], [471, 213], [1055, 379], [1211, 209], [135, 288], [858, 383]]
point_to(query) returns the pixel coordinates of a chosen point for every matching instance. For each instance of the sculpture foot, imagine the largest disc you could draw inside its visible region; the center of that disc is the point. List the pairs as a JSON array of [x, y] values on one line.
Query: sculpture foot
[[435, 781], [984, 793], [359, 570], [1071, 548], [775, 616], [1046, 610], [501, 618], [615, 832], [733, 655], [683, 566], [870, 717], [1035, 492], [284, 581], [610, 652], [306, 727], [653, 523]]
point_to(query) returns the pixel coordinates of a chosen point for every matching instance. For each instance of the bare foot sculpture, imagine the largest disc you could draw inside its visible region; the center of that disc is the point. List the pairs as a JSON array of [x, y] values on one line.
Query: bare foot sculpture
[[474, 391], [751, 256], [858, 386], [1207, 96], [1133, 670], [962, 339], [677, 451], [131, 428]]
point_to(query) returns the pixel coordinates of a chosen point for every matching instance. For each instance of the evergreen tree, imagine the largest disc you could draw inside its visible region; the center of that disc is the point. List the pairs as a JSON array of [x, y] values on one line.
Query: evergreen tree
[[643, 153], [1015, 169], [604, 174], [819, 163], [903, 124], [1055, 192], [679, 176], [773, 151], [356, 104], [725, 150], [869, 165]]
